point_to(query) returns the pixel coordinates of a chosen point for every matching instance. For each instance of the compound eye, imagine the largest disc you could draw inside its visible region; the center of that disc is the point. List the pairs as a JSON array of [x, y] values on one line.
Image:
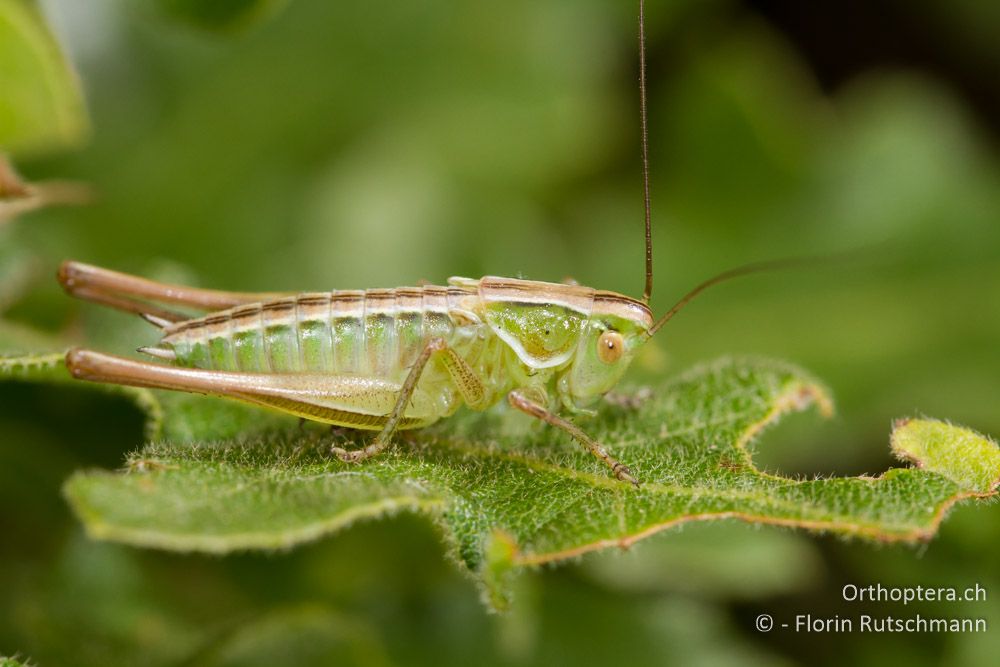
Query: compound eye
[[610, 347]]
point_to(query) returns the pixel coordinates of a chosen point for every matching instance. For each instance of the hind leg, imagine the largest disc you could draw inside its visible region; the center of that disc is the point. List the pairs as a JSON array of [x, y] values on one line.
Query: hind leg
[[137, 295]]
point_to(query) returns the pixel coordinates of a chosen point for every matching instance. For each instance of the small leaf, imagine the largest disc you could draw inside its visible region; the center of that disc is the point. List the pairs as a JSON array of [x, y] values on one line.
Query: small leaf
[[508, 500], [966, 458], [41, 106]]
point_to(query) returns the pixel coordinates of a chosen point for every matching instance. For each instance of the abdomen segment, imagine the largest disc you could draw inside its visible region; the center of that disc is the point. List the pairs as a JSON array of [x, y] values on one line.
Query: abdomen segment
[[374, 333]]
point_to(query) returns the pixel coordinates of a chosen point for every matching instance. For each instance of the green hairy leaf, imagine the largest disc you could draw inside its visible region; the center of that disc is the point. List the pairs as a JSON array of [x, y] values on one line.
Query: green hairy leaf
[[220, 477], [41, 104]]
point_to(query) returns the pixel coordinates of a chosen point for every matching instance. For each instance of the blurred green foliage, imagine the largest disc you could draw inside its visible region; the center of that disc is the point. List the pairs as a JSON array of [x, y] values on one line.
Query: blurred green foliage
[[220, 15], [380, 143]]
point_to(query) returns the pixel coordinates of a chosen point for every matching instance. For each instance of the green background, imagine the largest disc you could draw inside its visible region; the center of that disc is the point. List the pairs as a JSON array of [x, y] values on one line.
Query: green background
[[371, 144]]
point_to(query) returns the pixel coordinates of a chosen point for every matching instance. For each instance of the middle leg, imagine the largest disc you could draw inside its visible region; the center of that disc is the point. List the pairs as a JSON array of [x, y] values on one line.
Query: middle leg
[[468, 383], [382, 440]]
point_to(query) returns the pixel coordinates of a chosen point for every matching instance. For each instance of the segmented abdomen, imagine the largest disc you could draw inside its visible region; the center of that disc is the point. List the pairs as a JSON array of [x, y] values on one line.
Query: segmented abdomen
[[376, 333]]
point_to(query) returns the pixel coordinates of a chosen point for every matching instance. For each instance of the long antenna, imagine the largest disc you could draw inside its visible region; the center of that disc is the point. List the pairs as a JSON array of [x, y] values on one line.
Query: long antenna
[[648, 291], [754, 267]]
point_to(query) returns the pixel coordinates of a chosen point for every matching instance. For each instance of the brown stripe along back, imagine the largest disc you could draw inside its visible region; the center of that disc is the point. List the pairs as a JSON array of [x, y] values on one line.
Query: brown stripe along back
[[374, 333]]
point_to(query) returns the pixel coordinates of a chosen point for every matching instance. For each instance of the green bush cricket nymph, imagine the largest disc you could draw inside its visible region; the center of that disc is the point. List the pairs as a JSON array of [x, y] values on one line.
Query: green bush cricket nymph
[[390, 359]]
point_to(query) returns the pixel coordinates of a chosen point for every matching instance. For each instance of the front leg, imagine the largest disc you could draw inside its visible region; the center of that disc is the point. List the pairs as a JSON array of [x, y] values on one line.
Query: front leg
[[521, 401]]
